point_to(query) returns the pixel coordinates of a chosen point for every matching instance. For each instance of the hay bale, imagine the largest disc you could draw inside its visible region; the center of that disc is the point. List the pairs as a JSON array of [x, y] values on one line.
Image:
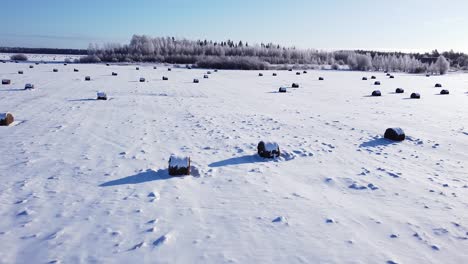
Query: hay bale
[[208, 72], [64, 64], [107, 64], [268, 150], [444, 92], [438, 85], [154, 67], [179, 166], [29, 86], [395, 134], [304, 72], [298, 73], [196, 81], [169, 69], [87, 78], [216, 70], [388, 74], [205, 76], [377, 83], [415, 96], [321, 78], [6, 119], [137, 68], [399, 90], [55, 70], [31, 66], [6, 81], [290, 70], [428, 75], [295, 85], [76, 70], [142, 79], [282, 90], [274, 74], [376, 93], [37, 63], [364, 78], [392, 77], [165, 78], [101, 96], [260, 74], [20, 72], [373, 77], [114, 74]]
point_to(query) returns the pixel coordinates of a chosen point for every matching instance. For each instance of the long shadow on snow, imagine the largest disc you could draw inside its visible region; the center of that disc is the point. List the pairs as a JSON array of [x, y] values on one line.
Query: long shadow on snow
[[376, 142], [146, 176], [238, 160]]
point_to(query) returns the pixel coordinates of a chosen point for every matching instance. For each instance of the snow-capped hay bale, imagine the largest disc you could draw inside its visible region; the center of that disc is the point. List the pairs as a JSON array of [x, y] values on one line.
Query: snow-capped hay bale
[[295, 85], [101, 96], [76, 70], [114, 74], [205, 76], [6, 119], [415, 96], [260, 74], [298, 73], [438, 85], [274, 74], [6, 81], [87, 78], [444, 91], [395, 134], [399, 90], [196, 81], [179, 166], [268, 149], [376, 93], [142, 79], [55, 70], [373, 77], [282, 90], [29, 86], [165, 78], [377, 83], [321, 78], [364, 78]]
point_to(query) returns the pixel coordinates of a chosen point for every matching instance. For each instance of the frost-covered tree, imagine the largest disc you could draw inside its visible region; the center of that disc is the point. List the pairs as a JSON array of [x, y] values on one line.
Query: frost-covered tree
[[442, 65]]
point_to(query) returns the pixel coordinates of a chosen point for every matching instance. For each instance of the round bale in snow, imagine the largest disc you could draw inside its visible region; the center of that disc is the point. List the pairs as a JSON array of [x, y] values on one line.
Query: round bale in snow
[[274, 74], [20, 72], [196, 81], [87, 78], [282, 90], [321, 78], [107, 64], [179, 166], [260, 74], [392, 77], [76, 70], [142, 79], [399, 90], [415, 96], [29, 86], [438, 85], [395, 134], [55, 70], [208, 72], [31, 66], [205, 76], [377, 83], [169, 69], [137, 68], [376, 93], [444, 91], [154, 67], [304, 72], [428, 75], [101, 96], [289, 69], [6, 119], [114, 74], [364, 78], [298, 73], [373, 77], [6, 81], [268, 149], [295, 85], [216, 70], [165, 78]]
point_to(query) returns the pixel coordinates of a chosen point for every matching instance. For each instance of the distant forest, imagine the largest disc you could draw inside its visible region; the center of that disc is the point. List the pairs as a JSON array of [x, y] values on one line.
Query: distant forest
[[241, 55]]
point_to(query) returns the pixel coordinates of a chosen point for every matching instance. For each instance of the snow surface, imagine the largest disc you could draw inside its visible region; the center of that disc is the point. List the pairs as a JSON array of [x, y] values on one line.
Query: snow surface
[[76, 174]]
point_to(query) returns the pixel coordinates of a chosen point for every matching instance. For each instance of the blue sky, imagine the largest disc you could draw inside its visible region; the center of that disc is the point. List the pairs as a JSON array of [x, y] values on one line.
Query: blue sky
[[410, 25]]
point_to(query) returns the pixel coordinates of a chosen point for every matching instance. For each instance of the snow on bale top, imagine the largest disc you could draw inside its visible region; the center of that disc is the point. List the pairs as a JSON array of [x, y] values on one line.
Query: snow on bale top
[[444, 91], [29, 86], [268, 149], [395, 134], [6, 81], [101, 96], [376, 93], [179, 165], [3, 116]]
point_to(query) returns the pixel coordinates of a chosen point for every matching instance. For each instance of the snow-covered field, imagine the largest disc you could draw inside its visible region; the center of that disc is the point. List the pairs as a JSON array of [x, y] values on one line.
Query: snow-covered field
[[86, 181], [42, 57]]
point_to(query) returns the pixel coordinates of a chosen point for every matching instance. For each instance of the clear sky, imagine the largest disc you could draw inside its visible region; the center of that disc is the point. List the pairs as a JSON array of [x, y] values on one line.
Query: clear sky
[[406, 25]]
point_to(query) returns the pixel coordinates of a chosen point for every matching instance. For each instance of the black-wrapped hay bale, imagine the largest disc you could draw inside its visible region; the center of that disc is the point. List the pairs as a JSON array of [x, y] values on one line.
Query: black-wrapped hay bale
[[376, 93], [260, 74], [6, 119], [165, 78], [388, 74], [114, 74], [107, 64], [137, 68], [298, 73], [438, 85], [154, 67], [392, 77], [321, 78], [268, 150], [6, 81], [274, 74], [76, 70], [395, 134], [205, 76], [29, 86], [282, 90], [428, 75], [20, 72], [179, 166], [364, 78], [55, 70], [373, 77], [31, 66], [208, 72], [444, 91], [142, 79], [377, 83], [215, 70], [196, 81], [399, 90], [295, 85], [87, 78], [304, 72], [169, 69], [415, 96], [290, 70], [101, 96]]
